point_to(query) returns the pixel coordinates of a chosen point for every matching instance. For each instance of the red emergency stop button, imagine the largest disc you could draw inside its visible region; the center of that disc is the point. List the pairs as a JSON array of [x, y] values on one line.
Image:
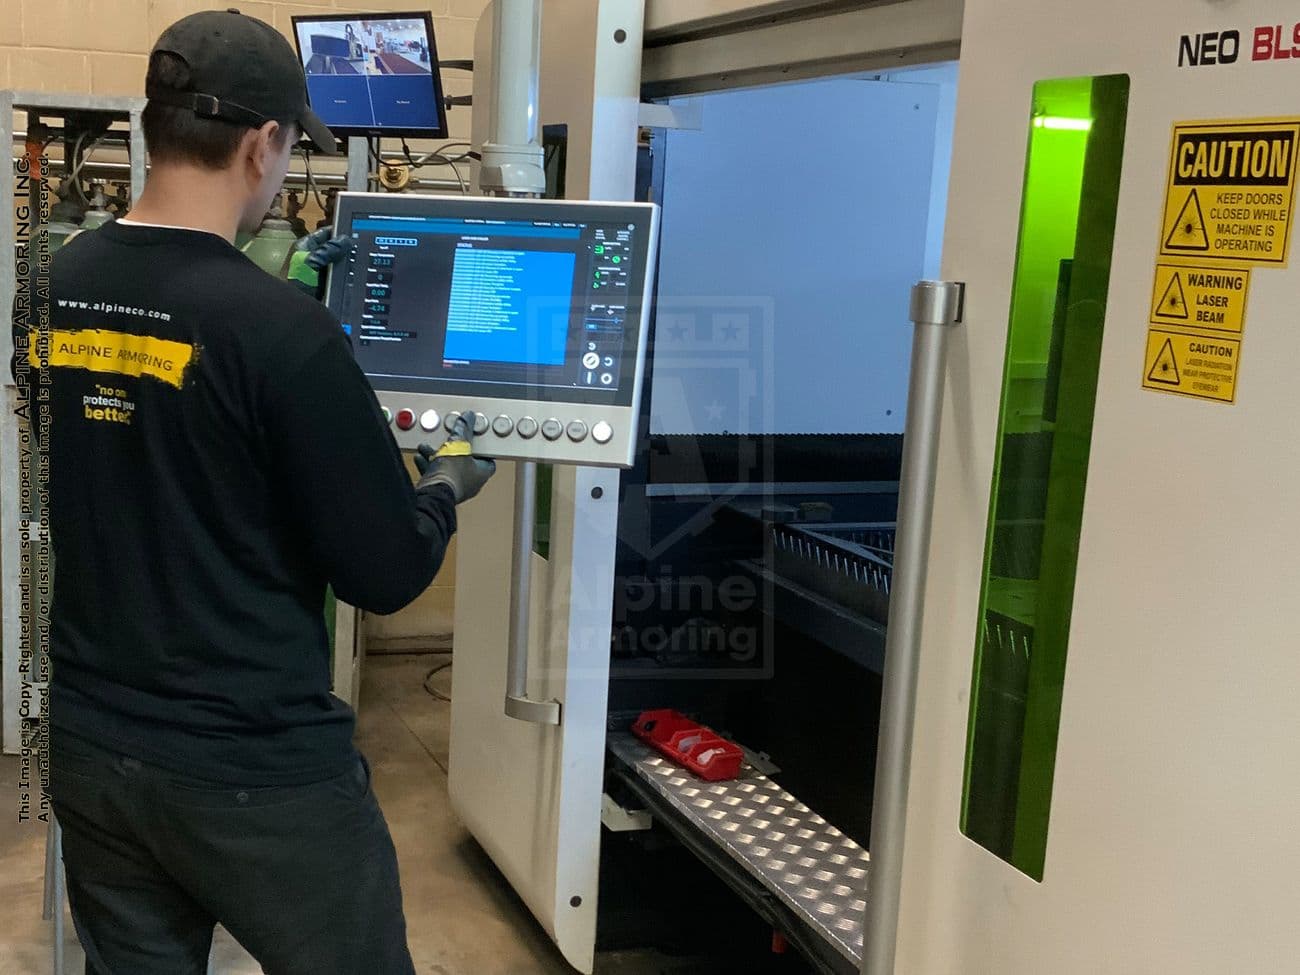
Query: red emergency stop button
[[405, 419]]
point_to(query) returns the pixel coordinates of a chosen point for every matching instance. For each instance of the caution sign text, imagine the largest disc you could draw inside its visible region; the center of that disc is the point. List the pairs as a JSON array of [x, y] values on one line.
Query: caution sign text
[[1192, 365], [1200, 297], [1231, 191]]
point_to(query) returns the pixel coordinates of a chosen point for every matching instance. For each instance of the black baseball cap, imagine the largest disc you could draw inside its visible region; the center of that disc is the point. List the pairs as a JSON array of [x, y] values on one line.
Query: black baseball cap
[[242, 70]]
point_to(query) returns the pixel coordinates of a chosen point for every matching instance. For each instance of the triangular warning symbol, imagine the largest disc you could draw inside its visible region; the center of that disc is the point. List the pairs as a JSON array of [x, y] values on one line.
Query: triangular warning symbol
[[1165, 369], [1188, 233], [1174, 303]]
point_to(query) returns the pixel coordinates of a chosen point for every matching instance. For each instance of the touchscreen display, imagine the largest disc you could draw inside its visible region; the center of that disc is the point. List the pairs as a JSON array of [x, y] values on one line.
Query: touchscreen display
[[537, 305]]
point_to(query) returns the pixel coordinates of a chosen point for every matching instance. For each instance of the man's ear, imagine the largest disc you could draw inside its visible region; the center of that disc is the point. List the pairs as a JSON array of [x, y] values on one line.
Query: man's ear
[[259, 147]]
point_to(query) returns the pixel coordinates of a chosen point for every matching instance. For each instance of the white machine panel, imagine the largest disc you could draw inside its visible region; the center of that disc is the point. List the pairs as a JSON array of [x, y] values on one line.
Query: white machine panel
[[1171, 844], [532, 314]]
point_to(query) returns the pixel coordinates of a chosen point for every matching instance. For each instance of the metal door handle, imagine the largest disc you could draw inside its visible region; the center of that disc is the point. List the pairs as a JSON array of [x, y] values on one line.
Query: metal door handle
[[937, 306], [518, 704]]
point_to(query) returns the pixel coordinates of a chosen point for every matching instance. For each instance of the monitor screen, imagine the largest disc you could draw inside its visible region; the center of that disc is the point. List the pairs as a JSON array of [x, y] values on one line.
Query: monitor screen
[[512, 299], [374, 76]]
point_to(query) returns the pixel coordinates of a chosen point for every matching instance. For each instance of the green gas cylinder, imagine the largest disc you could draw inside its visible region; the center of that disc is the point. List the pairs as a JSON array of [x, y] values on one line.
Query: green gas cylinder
[[95, 217], [271, 245], [59, 232], [67, 219]]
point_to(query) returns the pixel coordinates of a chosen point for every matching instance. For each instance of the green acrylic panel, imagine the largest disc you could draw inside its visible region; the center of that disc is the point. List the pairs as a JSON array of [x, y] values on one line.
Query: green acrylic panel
[[1049, 391]]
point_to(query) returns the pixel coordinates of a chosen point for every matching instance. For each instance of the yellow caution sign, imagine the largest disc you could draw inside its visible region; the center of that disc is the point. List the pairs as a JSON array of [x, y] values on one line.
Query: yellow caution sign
[[1192, 365], [1200, 297], [1231, 191]]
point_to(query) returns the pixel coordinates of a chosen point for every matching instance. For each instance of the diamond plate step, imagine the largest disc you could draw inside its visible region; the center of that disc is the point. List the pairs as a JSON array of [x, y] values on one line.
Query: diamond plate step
[[815, 870]]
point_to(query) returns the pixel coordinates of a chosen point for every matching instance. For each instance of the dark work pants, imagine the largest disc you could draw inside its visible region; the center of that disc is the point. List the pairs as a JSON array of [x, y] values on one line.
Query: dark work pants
[[304, 877]]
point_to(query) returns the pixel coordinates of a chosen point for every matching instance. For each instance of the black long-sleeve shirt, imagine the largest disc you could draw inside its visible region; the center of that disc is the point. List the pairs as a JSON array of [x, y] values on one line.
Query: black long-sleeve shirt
[[216, 459]]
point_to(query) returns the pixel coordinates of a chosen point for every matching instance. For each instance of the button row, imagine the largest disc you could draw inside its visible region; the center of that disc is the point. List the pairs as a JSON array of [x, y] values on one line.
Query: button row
[[480, 423], [405, 419], [527, 427]]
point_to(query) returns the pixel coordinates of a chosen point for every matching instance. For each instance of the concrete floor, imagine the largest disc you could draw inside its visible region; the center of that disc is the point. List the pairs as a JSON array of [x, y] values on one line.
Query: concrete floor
[[462, 917]]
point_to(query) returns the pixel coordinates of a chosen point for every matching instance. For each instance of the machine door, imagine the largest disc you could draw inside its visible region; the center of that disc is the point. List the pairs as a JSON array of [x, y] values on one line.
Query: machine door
[[530, 793], [1106, 736]]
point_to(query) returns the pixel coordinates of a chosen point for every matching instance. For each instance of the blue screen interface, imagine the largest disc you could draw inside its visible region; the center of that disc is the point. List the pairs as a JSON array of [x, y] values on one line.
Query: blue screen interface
[[501, 302], [371, 74]]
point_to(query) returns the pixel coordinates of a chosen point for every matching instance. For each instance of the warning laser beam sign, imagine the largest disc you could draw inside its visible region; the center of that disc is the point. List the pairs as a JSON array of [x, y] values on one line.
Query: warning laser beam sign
[[1200, 297], [1231, 191]]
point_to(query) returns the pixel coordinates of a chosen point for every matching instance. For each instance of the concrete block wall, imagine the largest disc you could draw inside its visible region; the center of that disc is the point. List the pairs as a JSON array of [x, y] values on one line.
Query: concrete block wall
[[101, 46]]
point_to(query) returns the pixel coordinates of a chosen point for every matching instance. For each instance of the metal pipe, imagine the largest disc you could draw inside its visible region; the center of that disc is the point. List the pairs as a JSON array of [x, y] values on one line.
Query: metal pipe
[[60, 895], [513, 163], [112, 135], [117, 170], [51, 864], [518, 704], [516, 63], [936, 307], [358, 175], [521, 578]]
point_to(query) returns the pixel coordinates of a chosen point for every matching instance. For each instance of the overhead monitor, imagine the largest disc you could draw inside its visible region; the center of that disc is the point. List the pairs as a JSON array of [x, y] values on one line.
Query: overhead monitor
[[532, 314], [373, 74]]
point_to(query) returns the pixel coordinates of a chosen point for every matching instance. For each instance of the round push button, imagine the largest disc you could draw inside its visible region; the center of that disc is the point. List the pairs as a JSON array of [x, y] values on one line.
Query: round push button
[[577, 431], [552, 429], [405, 419], [449, 422], [388, 414], [481, 424], [602, 432], [429, 420], [526, 427], [502, 425]]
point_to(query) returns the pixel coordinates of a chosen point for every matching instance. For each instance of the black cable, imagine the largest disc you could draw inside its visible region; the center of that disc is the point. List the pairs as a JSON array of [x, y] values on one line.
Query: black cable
[[406, 151], [436, 694], [441, 152], [374, 153], [438, 155], [311, 180]]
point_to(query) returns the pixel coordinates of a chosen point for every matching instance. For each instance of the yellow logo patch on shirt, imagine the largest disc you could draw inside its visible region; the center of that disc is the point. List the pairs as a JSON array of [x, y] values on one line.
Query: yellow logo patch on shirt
[[99, 350]]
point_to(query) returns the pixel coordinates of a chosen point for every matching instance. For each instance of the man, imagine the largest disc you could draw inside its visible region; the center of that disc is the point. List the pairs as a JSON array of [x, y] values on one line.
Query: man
[[354, 46], [217, 459], [368, 47]]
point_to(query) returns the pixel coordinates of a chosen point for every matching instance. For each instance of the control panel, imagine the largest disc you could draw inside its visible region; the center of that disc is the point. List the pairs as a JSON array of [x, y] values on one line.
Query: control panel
[[531, 314]]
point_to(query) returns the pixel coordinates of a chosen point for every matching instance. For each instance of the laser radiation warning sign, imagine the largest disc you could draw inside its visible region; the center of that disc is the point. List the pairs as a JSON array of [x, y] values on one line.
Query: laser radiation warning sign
[[1192, 365], [1231, 191]]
